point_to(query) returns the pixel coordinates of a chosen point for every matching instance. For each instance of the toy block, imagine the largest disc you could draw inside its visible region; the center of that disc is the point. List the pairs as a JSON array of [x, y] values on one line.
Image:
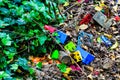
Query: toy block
[[106, 41], [101, 19], [70, 46], [50, 28], [55, 54], [82, 35], [61, 36], [87, 58], [77, 56]]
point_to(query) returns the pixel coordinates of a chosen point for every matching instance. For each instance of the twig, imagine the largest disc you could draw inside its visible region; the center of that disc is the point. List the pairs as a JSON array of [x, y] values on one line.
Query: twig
[[23, 50], [69, 8]]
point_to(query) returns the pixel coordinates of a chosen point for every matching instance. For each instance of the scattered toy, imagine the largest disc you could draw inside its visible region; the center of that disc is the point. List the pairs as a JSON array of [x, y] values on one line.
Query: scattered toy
[[70, 46]]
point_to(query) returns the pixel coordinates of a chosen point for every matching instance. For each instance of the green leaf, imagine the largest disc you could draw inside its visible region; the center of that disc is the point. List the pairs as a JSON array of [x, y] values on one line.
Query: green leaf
[[1, 24], [14, 67], [42, 39], [2, 35], [31, 32], [62, 1], [39, 65], [1, 3], [23, 63], [3, 74], [20, 10], [6, 42], [31, 70], [9, 54], [20, 21], [35, 42], [3, 62], [4, 11], [42, 7], [43, 49]]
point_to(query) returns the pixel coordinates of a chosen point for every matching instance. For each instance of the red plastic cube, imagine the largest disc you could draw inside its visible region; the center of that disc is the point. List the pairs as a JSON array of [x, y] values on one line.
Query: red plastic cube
[[87, 18]]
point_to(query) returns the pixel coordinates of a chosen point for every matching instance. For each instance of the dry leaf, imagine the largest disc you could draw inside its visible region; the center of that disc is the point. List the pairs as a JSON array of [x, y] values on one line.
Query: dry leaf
[[90, 77], [66, 4], [67, 77], [89, 68]]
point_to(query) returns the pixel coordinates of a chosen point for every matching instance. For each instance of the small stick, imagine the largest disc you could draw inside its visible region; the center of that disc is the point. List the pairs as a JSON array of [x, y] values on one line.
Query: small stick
[[70, 8]]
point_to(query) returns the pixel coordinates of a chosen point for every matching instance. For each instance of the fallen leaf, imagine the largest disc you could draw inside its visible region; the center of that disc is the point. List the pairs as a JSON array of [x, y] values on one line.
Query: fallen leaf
[[66, 76], [66, 4], [89, 68], [90, 77], [114, 46]]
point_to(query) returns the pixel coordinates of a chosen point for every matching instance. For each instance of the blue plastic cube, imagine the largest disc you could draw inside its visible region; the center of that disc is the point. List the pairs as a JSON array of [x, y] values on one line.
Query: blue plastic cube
[[106, 41], [83, 34], [87, 58], [62, 37]]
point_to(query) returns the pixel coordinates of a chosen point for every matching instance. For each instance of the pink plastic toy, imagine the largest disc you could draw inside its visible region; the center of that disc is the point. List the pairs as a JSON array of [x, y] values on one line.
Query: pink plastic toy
[[75, 68], [50, 28]]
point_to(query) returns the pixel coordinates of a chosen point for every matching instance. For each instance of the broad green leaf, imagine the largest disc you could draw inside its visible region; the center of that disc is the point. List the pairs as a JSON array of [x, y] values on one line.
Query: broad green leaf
[[3, 74], [9, 54], [3, 62], [14, 67], [6, 42], [1, 24], [6, 1], [43, 49], [23, 63], [25, 2], [35, 42], [42, 7], [20, 10], [62, 1], [17, 1], [20, 21], [1, 3], [7, 20], [42, 39], [4, 11], [31, 70], [2, 35], [31, 32]]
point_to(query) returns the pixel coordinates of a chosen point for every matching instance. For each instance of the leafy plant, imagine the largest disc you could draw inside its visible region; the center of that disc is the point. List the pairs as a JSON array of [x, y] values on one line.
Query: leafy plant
[[22, 33]]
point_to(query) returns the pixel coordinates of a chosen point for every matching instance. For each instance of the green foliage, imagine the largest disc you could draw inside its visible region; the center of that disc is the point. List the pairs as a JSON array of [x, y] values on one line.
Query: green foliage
[[22, 62], [3, 74], [22, 33], [14, 67], [32, 71]]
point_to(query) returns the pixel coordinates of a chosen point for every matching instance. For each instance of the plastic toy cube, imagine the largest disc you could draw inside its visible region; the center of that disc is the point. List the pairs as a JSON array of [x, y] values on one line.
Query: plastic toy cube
[[87, 58], [70, 46], [50, 28], [62, 37], [83, 35], [106, 41], [102, 19], [77, 56], [55, 54]]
